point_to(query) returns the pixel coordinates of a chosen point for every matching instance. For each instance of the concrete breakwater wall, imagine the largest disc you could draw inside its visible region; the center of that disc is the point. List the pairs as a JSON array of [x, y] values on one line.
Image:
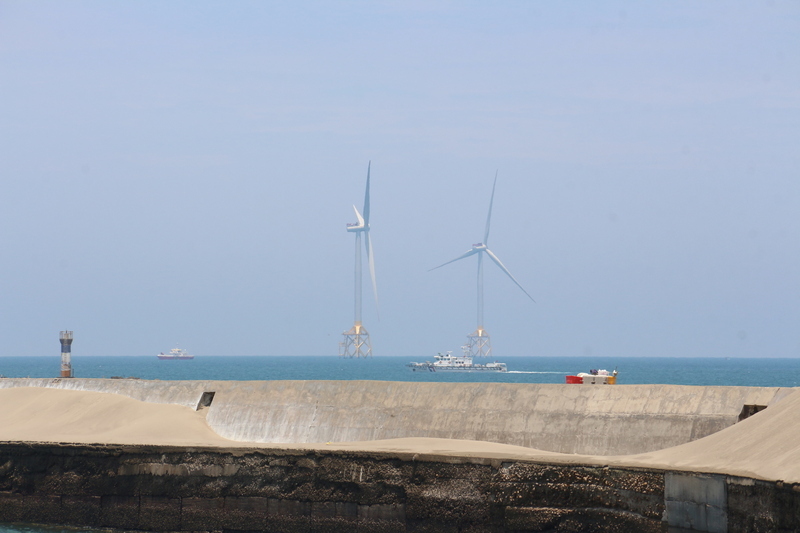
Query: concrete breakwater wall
[[585, 419]]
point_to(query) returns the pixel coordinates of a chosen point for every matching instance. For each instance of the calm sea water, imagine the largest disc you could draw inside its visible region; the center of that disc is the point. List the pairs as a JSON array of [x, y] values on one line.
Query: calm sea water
[[635, 370]]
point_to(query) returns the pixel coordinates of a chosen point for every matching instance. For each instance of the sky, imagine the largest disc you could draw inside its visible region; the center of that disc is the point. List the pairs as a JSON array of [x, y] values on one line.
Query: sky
[[182, 173]]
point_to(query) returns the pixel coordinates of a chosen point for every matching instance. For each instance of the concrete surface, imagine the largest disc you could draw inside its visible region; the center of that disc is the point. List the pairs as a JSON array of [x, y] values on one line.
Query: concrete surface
[[582, 419]]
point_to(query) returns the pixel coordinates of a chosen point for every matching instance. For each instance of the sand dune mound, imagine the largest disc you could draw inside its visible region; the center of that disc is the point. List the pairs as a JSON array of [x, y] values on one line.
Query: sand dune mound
[[764, 446], [56, 415]]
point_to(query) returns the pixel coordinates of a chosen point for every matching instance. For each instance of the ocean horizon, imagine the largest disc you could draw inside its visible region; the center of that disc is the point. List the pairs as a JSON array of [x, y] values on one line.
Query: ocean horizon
[[717, 371]]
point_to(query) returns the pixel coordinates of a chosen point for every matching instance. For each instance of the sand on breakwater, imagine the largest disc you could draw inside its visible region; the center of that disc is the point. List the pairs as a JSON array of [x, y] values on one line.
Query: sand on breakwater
[[55, 415], [68, 416], [764, 446]]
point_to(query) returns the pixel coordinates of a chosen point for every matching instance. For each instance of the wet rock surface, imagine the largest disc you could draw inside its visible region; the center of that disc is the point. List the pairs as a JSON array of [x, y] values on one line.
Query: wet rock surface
[[173, 489], [179, 489]]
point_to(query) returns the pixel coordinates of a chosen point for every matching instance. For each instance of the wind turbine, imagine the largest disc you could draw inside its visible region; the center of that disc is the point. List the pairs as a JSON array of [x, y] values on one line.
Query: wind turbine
[[479, 343], [356, 342]]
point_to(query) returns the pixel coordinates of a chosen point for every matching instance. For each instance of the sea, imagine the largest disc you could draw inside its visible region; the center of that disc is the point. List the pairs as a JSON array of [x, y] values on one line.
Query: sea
[[761, 372]]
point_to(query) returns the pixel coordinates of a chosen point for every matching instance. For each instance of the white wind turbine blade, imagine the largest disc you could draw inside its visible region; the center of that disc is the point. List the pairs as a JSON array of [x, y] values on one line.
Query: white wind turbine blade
[[359, 217], [498, 263], [371, 261], [489, 216], [462, 256], [366, 197]]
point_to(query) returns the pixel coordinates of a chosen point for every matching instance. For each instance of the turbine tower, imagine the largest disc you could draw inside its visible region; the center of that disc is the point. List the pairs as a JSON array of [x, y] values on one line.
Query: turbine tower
[[356, 342], [479, 343]]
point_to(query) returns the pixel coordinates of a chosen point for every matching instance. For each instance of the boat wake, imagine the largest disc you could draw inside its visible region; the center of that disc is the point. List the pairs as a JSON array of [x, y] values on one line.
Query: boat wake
[[533, 372]]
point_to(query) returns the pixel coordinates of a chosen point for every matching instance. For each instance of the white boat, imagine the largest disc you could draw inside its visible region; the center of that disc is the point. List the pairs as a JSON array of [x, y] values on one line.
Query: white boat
[[452, 363], [175, 353]]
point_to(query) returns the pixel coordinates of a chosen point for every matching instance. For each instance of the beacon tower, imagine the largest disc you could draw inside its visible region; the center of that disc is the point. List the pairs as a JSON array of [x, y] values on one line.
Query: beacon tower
[[66, 349]]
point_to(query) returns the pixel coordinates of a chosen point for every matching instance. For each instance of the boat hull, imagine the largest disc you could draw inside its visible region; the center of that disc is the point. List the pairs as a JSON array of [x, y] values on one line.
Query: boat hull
[[175, 354], [592, 379], [422, 367], [450, 363]]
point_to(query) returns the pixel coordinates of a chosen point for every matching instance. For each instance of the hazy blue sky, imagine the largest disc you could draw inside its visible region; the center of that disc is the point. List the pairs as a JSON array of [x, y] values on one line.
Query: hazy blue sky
[[182, 172]]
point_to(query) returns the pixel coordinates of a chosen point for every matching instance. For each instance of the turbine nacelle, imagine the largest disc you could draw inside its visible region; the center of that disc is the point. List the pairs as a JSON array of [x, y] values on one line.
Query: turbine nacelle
[[361, 225]]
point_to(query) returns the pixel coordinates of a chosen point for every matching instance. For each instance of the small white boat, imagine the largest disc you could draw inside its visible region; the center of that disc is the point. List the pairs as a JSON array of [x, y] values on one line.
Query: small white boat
[[452, 363], [175, 353]]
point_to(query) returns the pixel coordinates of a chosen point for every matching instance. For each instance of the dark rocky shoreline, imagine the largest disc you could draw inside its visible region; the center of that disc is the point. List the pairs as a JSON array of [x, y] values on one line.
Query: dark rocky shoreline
[[170, 489]]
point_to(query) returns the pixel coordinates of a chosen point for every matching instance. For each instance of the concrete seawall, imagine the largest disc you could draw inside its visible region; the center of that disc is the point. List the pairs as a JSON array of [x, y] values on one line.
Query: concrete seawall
[[596, 420], [716, 467]]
